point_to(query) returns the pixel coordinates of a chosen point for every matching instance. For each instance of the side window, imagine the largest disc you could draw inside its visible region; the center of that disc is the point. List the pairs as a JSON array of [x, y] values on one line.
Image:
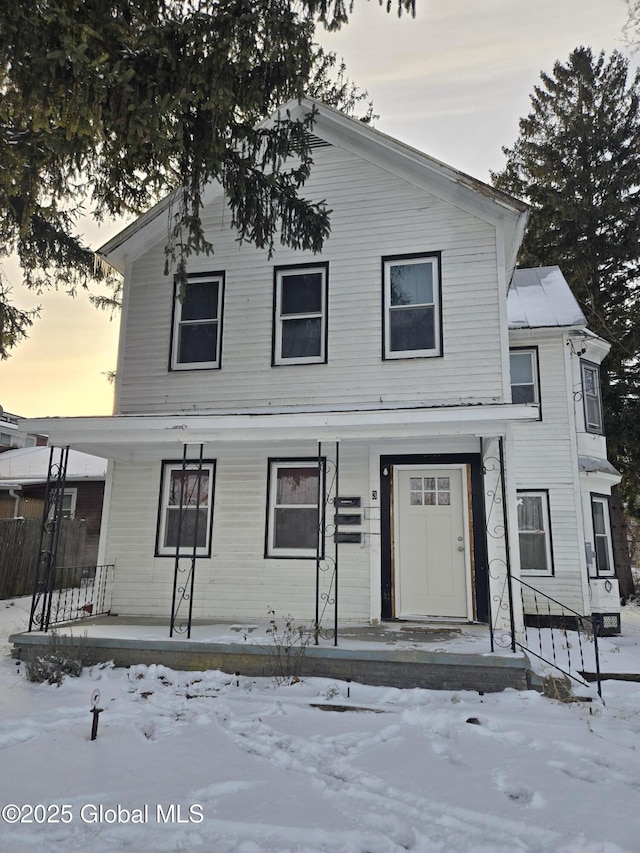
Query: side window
[[69, 498], [186, 508], [293, 513], [197, 323], [412, 309], [602, 535], [534, 533], [524, 376], [300, 315], [592, 398]]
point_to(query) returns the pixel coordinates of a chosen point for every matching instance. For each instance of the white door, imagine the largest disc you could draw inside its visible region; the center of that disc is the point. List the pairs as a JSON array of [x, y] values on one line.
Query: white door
[[431, 559]]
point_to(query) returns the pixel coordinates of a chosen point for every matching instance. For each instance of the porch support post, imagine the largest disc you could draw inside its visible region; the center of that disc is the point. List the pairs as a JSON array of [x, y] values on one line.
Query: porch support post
[[505, 609], [44, 578], [335, 544]]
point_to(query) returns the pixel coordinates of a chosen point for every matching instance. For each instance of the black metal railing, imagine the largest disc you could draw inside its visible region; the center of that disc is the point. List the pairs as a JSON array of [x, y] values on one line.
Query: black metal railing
[[75, 593], [559, 636]]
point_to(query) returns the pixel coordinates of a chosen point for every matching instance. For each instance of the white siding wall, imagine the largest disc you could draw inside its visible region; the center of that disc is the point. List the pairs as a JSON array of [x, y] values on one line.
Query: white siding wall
[[545, 455], [237, 581], [374, 214]]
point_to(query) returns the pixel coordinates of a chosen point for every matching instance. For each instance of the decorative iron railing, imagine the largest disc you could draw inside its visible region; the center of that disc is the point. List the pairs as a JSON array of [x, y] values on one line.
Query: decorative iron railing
[[559, 636], [75, 593]]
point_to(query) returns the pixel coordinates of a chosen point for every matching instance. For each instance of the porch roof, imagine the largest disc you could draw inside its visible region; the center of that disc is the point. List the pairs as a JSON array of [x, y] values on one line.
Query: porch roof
[[116, 436]]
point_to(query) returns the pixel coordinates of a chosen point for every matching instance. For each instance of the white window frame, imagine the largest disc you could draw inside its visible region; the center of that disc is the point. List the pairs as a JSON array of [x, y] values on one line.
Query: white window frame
[[532, 352], [543, 495], [595, 369], [279, 319], [179, 324], [301, 553], [410, 260], [606, 507], [72, 495], [168, 467]]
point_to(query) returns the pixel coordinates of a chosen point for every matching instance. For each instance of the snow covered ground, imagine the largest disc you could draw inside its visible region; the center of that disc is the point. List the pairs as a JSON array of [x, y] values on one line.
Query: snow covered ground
[[196, 761]]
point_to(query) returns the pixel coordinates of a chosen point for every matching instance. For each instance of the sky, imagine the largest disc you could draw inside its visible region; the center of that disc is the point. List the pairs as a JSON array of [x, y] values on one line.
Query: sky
[[317, 766], [452, 82]]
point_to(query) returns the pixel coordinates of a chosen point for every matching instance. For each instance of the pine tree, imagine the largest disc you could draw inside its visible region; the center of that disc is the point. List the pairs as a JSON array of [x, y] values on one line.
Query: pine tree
[[577, 162], [107, 105]]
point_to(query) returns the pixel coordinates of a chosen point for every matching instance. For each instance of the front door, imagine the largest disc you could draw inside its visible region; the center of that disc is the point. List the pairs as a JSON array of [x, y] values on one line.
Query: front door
[[431, 542]]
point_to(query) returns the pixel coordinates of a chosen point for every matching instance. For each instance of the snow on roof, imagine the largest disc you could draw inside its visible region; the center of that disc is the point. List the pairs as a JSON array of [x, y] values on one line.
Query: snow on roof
[[30, 465], [541, 297]]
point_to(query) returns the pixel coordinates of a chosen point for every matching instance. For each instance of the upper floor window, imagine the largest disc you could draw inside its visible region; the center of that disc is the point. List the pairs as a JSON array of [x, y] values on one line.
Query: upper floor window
[[534, 532], [300, 315], [186, 506], [412, 310], [602, 535], [524, 376], [592, 397], [197, 323]]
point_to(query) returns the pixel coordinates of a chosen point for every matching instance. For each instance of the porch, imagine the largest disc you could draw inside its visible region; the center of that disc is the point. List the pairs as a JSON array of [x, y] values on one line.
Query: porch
[[394, 654]]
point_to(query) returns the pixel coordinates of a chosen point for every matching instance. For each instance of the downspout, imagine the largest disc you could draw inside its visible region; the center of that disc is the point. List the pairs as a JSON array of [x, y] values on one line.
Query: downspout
[[16, 498]]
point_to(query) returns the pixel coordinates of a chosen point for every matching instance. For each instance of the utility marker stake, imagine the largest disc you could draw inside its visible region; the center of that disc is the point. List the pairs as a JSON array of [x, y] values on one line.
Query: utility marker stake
[[95, 698], [348, 688]]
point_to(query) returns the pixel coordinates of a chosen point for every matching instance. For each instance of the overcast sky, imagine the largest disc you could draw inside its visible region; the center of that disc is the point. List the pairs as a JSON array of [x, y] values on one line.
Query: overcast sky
[[453, 82]]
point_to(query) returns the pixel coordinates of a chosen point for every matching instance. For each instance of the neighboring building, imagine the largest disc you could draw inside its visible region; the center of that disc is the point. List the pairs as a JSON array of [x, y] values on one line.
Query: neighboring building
[[23, 481], [403, 394], [11, 436]]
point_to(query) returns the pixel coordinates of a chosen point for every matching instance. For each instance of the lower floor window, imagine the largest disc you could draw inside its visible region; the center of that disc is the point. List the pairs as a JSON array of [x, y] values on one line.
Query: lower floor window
[[293, 516], [534, 532], [602, 534], [185, 513]]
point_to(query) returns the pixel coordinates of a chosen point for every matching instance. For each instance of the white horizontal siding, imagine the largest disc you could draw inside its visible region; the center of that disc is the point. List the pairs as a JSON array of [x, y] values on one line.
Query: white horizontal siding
[[374, 214], [545, 457], [237, 581]]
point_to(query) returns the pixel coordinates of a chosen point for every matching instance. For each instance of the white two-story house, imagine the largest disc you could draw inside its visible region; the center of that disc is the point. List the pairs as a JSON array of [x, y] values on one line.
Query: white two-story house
[[400, 427]]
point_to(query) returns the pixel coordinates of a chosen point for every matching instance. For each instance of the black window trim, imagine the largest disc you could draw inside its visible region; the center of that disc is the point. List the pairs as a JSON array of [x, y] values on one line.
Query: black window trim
[[172, 464], [304, 460], [408, 256], [533, 348], [606, 500], [290, 268], [594, 366], [174, 365]]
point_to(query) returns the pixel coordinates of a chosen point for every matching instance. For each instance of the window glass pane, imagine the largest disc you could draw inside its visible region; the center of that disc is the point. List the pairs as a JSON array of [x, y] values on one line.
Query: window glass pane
[[415, 498], [530, 516], [301, 293], [190, 518], [429, 498], [412, 329], [593, 412], [533, 551], [297, 486], [589, 380], [523, 394], [415, 484], [198, 343], [296, 527], [602, 554], [411, 284], [598, 517], [200, 301], [190, 488], [301, 338], [521, 368]]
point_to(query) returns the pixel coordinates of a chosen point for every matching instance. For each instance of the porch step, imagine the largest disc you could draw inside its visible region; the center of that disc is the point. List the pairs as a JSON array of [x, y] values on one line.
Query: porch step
[[434, 670]]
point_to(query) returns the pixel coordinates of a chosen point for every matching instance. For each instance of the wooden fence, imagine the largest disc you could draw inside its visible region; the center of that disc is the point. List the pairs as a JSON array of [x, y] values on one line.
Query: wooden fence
[[19, 542]]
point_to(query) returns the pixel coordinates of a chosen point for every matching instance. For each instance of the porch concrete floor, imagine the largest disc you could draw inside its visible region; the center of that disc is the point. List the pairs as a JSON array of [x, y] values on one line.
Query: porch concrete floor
[[431, 655]]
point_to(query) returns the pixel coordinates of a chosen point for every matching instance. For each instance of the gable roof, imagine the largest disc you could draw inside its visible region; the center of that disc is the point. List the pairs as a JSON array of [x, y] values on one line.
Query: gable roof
[[541, 298], [338, 129]]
